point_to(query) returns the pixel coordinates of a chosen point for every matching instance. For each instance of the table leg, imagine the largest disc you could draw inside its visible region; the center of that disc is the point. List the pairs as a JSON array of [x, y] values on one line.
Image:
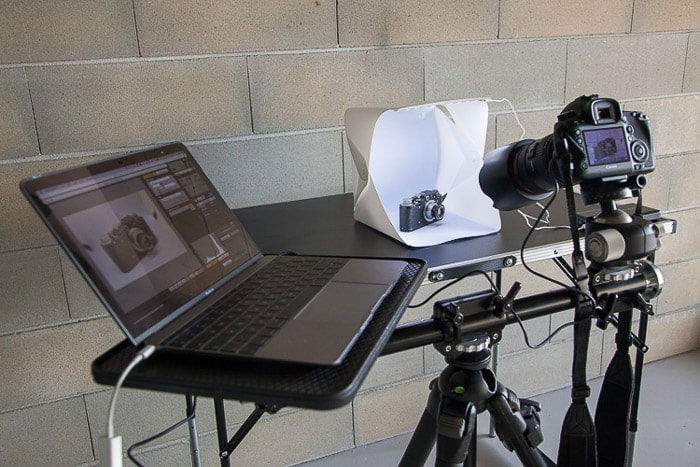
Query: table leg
[[192, 427], [221, 429], [494, 356]]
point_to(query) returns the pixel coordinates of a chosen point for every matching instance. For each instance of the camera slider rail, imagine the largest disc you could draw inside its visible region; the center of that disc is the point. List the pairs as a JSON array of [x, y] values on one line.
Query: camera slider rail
[[481, 312]]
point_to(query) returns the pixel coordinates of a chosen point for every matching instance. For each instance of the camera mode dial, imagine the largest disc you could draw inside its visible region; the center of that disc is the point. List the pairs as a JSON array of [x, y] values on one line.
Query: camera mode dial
[[640, 151]]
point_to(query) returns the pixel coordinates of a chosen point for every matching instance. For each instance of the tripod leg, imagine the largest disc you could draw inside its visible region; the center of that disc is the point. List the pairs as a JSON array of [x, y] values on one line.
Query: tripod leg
[[634, 409], [471, 453], [512, 431], [425, 434], [456, 430]]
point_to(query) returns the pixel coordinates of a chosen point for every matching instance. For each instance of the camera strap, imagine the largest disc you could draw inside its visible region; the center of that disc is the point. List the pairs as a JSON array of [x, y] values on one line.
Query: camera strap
[[577, 444], [612, 415]]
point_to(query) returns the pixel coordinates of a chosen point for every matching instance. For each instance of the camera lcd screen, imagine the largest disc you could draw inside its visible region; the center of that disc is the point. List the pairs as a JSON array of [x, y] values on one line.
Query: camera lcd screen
[[150, 231], [606, 146]]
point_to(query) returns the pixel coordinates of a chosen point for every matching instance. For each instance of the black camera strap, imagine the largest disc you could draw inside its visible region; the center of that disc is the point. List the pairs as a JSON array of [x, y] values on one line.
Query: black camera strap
[[577, 444], [612, 415]]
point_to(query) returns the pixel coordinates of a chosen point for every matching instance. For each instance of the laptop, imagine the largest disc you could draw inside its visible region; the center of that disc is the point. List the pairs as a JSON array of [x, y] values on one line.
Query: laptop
[[175, 268]]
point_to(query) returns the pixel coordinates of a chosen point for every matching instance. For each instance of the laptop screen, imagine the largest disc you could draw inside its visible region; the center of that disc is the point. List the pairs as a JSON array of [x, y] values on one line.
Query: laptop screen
[[149, 229]]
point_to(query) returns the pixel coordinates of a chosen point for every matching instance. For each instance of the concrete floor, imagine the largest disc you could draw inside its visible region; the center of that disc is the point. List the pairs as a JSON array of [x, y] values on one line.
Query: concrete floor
[[669, 432]]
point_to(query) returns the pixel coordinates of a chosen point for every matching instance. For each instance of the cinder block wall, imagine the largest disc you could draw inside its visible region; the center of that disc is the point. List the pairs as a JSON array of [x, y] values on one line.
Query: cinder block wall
[[257, 89]]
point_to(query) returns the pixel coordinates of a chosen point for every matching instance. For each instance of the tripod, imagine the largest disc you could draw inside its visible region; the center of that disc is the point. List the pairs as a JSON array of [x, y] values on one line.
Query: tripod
[[464, 389]]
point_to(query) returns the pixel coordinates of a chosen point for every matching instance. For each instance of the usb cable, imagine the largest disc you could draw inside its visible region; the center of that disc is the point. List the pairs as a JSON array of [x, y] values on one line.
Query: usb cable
[[110, 445]]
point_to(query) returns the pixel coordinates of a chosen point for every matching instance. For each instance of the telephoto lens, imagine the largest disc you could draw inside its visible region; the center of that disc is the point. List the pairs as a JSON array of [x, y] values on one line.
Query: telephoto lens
[[519, 174]]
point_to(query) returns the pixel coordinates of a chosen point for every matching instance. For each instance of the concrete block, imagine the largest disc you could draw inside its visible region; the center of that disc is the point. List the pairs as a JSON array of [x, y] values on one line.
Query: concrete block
[[674, 122], [155, 411], [45, 30], [82, 301], [666, 15], [513, 339], [684, 192], [350, 175], [395, 367], [685, 244], [371, 23], [537, 124], [490, 134], [538, 371], [389, 411], [314, 90], [22, 228], [614, 67], [139, 414], [433, 361], [52, 363], [658, 190], [48, 434], [532, 284], [31, 292], [276, 169], [178, 453], [94, 106], [522, 18], [487, 70], [680, 286], [667, 335], [175, 27], [17, 132], [296, 437], [691, 80]]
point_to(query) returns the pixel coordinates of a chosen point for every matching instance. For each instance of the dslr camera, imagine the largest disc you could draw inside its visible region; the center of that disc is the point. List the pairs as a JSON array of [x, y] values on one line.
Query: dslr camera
[[604, 143], [129, 241], [422, 209]]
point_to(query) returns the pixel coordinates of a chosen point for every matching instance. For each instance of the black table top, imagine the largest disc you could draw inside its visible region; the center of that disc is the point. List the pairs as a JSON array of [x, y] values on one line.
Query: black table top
[[325, 226]]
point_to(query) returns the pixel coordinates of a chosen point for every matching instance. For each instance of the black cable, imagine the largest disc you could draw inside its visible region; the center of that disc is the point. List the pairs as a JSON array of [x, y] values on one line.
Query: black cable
[[522, 326], [138, 444], [450, 284], [538, 274]]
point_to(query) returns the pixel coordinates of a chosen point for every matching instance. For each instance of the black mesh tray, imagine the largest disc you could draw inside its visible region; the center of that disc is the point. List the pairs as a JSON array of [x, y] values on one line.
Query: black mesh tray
[[268, 383]]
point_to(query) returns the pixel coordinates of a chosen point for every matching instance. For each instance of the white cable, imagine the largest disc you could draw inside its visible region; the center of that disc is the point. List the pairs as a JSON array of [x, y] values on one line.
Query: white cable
[[512, 109], [544, 220], [528, 217], [142, 355]]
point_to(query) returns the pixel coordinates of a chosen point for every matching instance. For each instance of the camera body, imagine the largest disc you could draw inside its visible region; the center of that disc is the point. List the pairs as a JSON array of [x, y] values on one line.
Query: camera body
[[129, 241], [420, 210], [603, 140], [606, 145]]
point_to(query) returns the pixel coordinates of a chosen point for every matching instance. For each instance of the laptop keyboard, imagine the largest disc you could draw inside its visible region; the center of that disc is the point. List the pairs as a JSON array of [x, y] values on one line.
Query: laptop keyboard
[[246, 319]]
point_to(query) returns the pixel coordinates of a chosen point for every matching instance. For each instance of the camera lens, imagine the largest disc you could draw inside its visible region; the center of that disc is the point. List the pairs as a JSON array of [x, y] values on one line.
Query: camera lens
[[439, 212], [141, 241], [519, 174], [428, 213]]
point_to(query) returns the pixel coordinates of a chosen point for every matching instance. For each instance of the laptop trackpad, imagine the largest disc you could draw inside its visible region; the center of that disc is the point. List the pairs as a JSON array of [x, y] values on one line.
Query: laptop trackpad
[[343, 303], [323, 330]]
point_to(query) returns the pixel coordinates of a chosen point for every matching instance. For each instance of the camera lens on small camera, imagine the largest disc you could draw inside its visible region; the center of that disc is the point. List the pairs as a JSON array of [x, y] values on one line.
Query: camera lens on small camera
[[429, 210]]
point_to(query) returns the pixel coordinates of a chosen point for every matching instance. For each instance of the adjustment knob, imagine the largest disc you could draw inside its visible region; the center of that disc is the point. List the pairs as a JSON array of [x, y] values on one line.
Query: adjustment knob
[[605, 245], [640, 151]]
